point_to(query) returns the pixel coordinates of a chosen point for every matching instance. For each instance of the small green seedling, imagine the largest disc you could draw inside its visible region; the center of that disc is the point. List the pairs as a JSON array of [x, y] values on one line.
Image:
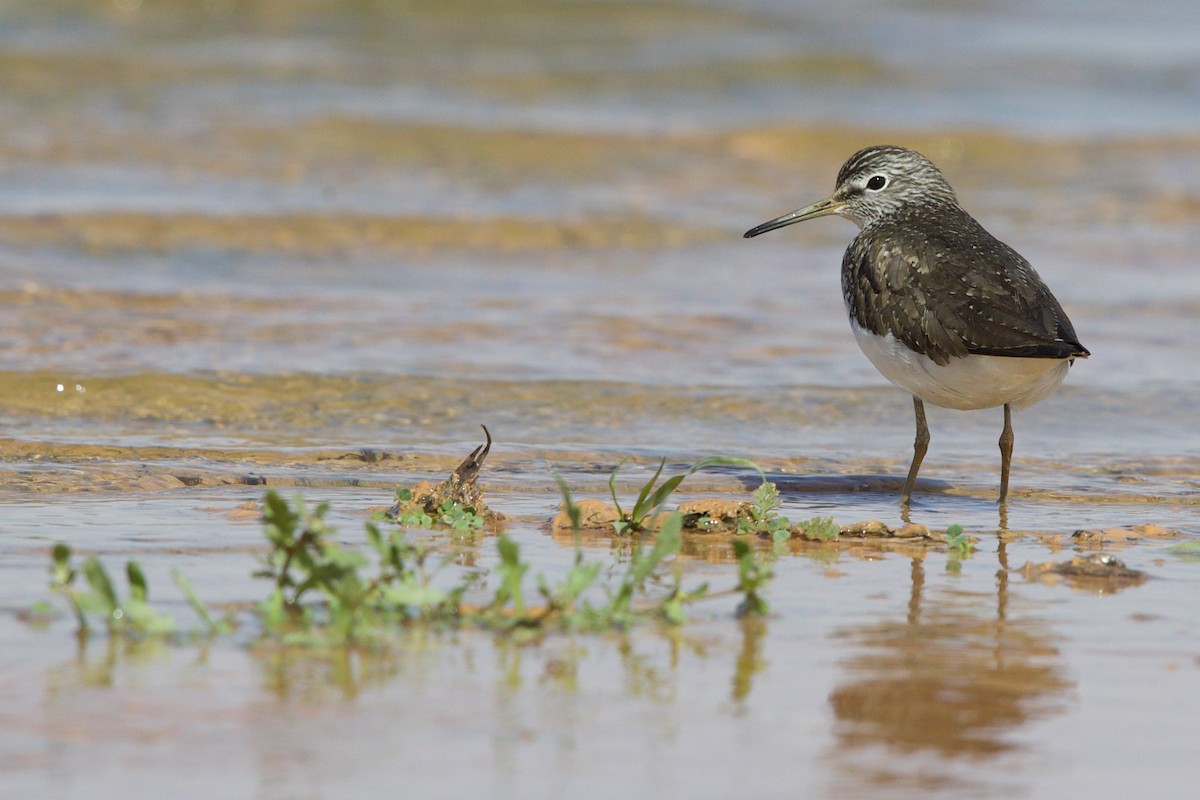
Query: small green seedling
[[450, 513], [764, 514], [411, 516], [753, 575], [822, 528], [653, 495], [958, 548], [459, 517], [958, 544], [134, 616]]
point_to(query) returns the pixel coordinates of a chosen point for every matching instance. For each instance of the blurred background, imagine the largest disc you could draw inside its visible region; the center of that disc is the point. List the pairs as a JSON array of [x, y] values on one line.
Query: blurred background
[[383, 223]]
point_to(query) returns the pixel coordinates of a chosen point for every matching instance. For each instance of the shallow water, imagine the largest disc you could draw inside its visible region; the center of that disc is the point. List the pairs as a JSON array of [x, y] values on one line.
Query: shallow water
[[316, 246]]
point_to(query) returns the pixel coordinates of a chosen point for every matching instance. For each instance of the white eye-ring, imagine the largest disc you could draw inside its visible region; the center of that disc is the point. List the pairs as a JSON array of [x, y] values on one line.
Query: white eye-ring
[[877, 182]]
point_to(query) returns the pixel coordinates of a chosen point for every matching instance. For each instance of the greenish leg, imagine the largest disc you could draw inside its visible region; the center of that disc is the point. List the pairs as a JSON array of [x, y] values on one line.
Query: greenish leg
[[920, 445], [1006, 448]]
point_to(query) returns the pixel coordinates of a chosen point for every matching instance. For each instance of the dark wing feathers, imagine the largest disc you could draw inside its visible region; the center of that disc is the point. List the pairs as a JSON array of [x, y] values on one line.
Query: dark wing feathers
[[952, 290]]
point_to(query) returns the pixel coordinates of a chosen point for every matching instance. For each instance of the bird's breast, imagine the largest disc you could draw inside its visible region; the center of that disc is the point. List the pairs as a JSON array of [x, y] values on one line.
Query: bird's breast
[[964, 383]]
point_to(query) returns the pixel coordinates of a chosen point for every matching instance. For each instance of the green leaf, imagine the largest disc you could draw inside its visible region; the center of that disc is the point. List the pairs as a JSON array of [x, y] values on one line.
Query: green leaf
[[273, 611], [640, 509], [512, 575], [102, 587], [411, 594], [612, 488], [138, 590], [573, 512], [1186, 551], [375, 538], [509, 552], [752, 576], [197, 605], [62, 556], [578, 580], [143, 618]]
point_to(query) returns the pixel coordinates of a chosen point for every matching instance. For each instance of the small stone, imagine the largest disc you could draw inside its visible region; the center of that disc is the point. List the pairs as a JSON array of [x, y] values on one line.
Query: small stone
[[913, 530], [867, 528]]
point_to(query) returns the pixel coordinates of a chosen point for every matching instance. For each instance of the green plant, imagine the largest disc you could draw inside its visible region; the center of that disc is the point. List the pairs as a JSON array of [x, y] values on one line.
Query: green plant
[[958, 544], [753, 575], [323, 594], [764, 516], [459, 517], [562, 598], [452, 514], [304, 559], [652, 494], [411, 515], [958, 547], [667, 541], [1186, 551], [822, 528], [134, 616]]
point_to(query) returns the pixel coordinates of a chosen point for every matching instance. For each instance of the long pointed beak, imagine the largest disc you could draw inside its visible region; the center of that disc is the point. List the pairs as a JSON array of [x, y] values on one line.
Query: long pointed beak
[[821, 209]]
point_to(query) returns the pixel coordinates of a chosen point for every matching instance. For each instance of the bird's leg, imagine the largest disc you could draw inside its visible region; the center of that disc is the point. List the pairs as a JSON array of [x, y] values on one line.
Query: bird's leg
[[920, 445], [1006, 445]]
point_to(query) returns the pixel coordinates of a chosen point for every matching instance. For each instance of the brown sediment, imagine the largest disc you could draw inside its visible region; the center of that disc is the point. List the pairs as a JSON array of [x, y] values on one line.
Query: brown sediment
[[714, 514], [340, 234], [594, 515], [1099, 572], [1124, 535]]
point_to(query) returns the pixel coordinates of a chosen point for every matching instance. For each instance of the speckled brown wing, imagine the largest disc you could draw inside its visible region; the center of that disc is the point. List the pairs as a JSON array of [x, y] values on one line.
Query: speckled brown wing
[[952, 290]]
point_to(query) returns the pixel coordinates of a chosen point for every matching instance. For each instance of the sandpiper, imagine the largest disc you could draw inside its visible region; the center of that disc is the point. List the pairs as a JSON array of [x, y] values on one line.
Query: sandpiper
[[940, 306]]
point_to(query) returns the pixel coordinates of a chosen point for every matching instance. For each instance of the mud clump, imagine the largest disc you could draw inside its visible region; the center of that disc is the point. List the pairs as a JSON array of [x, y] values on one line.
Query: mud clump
[[460, 488], [714, 515], [1125, 534], [1098, 571], [594, 515]]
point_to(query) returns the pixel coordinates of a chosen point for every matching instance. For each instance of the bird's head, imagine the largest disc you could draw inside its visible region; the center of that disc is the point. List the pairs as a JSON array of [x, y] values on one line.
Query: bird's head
[[873, 184]]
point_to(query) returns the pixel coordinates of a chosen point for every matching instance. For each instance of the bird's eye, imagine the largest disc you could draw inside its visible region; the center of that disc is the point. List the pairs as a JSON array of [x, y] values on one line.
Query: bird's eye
[[877, 182]]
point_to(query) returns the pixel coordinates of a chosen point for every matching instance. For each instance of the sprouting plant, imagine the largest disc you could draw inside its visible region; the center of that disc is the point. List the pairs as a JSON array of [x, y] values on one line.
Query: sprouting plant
[[410, 514], [764, 516], [328, 595], [404, 584], [212, 627], [512, 575], [562, 598], [753, 575], [822, 528], [301, 557], [958, 542], [134, 616], [652, 494], [667, 543], [451, 513], [670, 608], [304, 559], [459, 517]]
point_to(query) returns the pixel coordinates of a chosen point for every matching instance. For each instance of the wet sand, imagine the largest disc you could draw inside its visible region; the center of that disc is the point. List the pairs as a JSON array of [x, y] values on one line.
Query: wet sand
[[314, 249]]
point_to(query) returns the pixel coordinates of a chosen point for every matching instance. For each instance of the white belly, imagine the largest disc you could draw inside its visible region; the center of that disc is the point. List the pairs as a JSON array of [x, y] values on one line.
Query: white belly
[[965, 383]]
